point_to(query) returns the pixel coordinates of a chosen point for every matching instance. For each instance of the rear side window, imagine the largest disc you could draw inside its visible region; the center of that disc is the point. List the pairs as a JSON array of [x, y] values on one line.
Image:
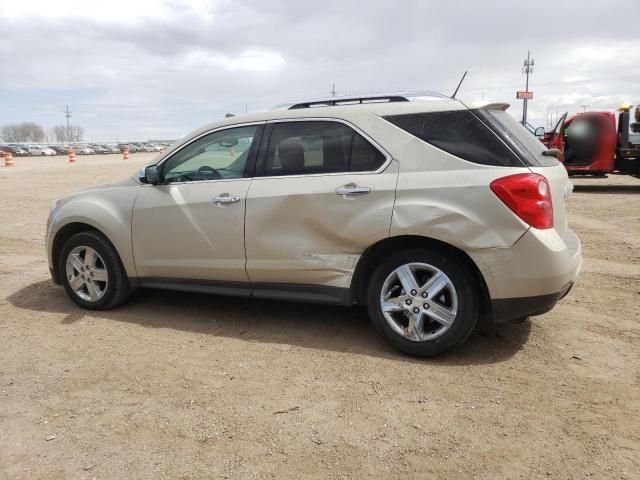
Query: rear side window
[[528, 147], [460, 133], [301, 148]]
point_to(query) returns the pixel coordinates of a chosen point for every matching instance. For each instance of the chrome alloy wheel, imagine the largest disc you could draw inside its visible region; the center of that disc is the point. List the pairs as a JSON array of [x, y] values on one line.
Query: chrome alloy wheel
[[87, 273], [418, 301]]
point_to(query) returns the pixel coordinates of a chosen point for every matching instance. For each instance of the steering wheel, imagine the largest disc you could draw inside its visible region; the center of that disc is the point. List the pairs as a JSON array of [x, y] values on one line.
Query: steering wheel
[[205, 172]]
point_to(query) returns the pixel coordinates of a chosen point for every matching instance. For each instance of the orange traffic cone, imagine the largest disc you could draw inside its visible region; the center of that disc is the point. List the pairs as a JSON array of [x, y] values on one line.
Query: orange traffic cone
[[125, 154], [8, 160], [72, 156]]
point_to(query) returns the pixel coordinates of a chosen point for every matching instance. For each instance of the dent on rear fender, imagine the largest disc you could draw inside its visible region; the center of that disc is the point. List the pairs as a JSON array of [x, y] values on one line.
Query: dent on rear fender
[[461, 228]]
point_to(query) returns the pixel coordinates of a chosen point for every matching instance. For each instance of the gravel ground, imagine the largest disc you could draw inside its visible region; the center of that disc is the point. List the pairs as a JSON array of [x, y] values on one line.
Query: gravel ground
[[172, 385]]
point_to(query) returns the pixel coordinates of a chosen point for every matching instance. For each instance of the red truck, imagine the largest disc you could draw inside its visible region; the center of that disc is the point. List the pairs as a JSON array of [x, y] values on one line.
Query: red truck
[[593, 143]]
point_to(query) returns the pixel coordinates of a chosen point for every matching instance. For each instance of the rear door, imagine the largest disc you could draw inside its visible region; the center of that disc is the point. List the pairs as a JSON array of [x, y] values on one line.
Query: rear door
[[322, 194]]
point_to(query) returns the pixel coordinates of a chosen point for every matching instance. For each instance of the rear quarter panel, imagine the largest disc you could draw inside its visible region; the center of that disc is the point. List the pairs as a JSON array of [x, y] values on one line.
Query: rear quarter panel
[[449, 199]]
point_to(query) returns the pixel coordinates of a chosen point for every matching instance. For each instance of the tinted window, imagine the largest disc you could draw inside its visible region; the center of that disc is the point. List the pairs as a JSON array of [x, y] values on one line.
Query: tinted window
[[460, 133], [527, 146], [219, 155], [298, 148]]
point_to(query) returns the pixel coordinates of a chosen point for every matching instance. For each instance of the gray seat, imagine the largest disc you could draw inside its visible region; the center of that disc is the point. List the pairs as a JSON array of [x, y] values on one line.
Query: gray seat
[[291, 157]]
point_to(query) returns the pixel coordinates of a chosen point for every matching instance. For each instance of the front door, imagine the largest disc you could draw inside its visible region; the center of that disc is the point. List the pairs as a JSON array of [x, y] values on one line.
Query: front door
[[191, 226], [322, 194], [555, 138]]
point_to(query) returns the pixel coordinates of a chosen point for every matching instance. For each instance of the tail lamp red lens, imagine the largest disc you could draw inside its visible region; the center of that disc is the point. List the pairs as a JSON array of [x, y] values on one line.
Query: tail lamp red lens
[[528, 195]]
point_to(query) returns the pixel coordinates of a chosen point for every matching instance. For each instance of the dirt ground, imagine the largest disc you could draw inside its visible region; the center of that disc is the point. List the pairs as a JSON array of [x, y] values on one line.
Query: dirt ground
[[172, 385]]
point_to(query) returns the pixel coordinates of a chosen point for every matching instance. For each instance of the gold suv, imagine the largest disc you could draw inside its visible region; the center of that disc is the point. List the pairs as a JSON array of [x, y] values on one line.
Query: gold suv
[[431, 214]]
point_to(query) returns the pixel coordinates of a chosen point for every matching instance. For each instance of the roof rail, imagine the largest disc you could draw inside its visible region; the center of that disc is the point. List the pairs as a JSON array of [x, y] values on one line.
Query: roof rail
[[349, 101]]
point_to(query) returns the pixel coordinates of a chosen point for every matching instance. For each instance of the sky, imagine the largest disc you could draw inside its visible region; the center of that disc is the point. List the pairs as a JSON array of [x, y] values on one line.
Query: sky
[[145, 69]]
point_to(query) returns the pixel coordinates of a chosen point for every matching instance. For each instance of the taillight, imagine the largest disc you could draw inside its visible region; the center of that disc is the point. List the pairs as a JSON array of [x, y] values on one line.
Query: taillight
[[529, 196]]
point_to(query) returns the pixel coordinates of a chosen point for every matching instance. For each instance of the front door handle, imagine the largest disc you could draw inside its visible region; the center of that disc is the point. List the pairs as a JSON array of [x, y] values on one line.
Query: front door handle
[[225, 199], [352, 189]]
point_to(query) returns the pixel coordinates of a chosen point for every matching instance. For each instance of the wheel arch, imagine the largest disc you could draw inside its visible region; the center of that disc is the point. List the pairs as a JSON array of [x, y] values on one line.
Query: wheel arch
[[373, 255], [64, 234]]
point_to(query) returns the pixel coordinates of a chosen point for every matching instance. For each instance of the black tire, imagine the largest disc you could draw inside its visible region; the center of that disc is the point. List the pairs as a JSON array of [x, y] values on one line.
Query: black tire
[[117, 289], [467, 313]]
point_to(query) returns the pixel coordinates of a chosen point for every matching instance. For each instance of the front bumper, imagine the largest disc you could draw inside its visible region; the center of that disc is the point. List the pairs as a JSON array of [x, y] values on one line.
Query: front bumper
[[529, 277]]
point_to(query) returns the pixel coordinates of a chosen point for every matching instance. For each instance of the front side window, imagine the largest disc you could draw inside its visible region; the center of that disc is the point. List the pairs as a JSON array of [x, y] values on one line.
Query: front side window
[[217, 156], [301, 148]]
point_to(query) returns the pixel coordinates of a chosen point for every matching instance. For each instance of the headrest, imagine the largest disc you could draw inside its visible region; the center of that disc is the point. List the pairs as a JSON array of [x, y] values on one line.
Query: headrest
[[291, 157]]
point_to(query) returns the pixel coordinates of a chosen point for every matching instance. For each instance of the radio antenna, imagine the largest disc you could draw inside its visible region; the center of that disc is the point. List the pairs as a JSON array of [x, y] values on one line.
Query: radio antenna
[[453, 97]]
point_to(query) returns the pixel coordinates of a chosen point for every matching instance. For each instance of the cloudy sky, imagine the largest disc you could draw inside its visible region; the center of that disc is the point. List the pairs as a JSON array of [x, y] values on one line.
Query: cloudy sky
[[138, 69]]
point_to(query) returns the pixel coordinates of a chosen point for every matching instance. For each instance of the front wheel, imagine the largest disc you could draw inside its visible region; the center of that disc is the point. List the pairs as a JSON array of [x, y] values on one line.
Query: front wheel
[[423, 302], [91, 272]]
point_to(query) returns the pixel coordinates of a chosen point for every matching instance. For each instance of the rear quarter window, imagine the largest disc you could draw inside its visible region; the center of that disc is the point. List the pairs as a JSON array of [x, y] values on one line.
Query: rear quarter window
[[519, 139], [460, 133]]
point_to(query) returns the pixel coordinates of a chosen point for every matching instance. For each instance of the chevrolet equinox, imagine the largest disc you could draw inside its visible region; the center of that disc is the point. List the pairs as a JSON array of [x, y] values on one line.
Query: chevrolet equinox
[[431, 214]]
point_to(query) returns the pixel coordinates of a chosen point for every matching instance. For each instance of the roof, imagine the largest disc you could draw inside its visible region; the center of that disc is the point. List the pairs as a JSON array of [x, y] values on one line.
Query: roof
[[417, 103]]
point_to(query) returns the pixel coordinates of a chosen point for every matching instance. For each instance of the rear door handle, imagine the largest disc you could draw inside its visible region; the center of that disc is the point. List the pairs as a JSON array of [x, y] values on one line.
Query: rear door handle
[[225, 199], [352, 189]]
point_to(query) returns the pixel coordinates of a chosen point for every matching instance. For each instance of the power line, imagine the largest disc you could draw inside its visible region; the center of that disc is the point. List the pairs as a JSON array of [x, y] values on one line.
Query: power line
[[551, 84]]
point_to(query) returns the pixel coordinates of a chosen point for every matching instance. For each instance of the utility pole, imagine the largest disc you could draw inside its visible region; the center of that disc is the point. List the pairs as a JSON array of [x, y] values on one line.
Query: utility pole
[[67, 114], [584, 107], [526, 69], [333, 90]]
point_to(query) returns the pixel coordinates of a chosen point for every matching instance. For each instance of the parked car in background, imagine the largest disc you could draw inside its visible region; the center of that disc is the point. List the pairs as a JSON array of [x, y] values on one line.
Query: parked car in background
[[99, 148], [151, 148], [38, 150], [113, 149], [130, 147], [84, 150], [432, 215], [16, 150], [60, 149]]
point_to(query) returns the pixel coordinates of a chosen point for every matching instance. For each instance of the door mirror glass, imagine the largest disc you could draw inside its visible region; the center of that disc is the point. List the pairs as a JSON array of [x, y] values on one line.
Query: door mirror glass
[[152, 174], [539, 132]]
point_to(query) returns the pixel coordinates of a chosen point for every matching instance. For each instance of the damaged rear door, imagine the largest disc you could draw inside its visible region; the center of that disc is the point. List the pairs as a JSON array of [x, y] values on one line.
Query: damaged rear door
[[323, 193]]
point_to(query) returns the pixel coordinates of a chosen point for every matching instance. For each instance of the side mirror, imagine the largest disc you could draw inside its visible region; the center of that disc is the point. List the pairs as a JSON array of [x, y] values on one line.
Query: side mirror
[[152, 174], [539, 132]]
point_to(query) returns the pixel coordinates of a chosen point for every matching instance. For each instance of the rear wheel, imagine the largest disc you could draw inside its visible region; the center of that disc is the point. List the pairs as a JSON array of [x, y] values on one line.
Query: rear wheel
[[91, 272], [423, 302]]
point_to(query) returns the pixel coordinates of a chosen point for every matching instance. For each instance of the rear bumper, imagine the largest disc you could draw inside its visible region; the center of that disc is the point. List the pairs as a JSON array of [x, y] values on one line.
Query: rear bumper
[[505, 309], [529, 277]]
